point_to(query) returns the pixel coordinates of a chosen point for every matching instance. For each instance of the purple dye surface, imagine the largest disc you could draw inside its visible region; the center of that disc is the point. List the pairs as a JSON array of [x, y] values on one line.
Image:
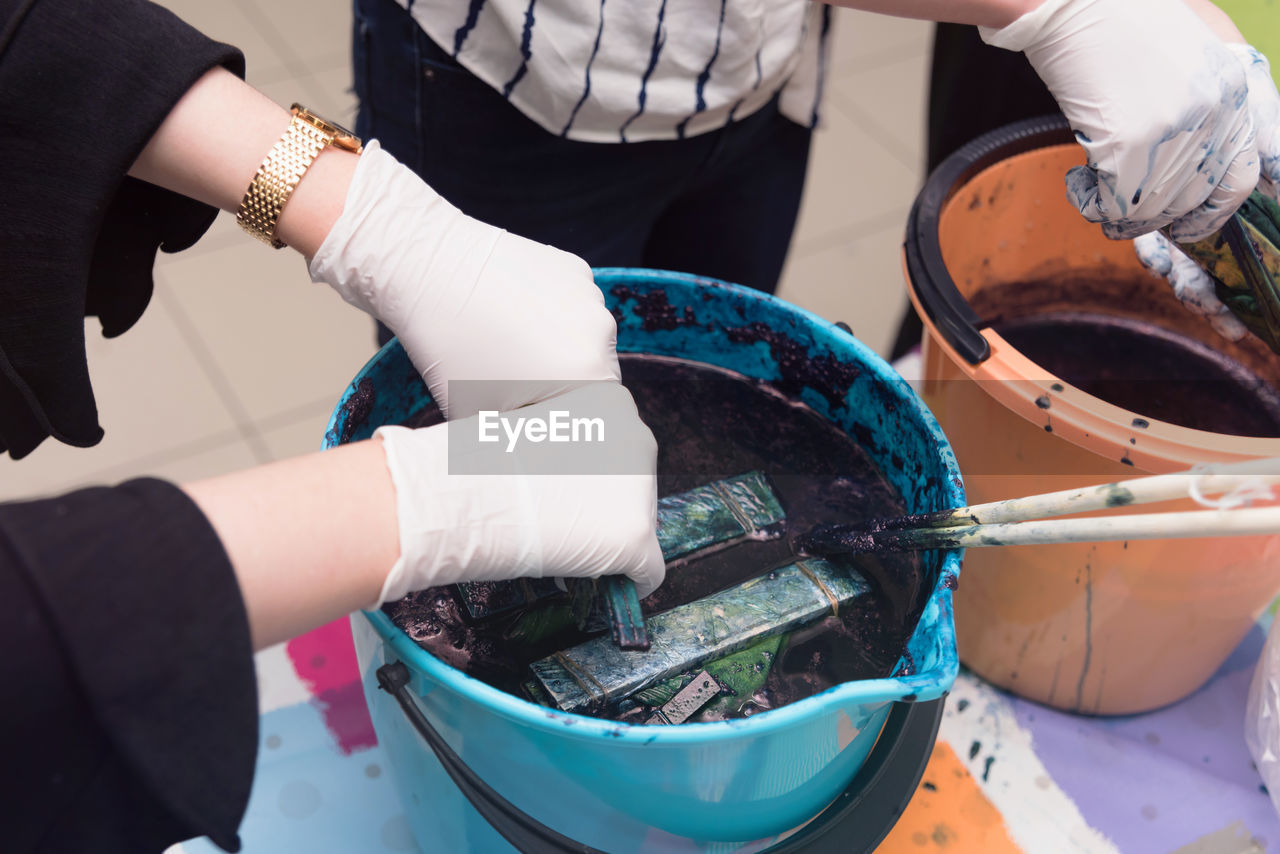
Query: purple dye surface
[[1150, 371], [712, 424], [1121, 336]]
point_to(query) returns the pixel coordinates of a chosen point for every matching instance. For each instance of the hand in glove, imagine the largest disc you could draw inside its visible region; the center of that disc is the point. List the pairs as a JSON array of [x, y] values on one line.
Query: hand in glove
[[467, 300], [508, 521], [1264, 107], [1157, 101], [1191, 284]]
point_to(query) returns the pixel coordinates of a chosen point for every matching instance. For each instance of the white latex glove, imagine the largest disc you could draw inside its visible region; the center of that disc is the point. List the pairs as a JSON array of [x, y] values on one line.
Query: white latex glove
[[467, 300], [1157, 101], [1264, 107], [510, 522], [1192, 285]]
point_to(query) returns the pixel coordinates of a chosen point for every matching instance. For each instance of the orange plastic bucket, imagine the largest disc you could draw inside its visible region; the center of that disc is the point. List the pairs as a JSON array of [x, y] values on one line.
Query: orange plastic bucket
[[1107, 628]]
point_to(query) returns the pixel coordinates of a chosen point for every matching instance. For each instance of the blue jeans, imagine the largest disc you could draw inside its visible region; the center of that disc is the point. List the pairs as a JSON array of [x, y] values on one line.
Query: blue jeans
[[722, 204]]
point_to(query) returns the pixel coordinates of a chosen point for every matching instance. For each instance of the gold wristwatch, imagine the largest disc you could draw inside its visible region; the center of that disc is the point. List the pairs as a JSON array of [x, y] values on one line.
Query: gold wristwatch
[[286, 163]]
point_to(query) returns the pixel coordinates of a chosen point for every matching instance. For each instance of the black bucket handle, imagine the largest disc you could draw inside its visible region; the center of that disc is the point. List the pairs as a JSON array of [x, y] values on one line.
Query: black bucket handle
[[936, 290], [898, 758]]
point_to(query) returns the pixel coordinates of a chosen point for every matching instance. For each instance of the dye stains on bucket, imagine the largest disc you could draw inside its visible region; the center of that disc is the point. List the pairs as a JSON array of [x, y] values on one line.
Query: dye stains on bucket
[[1044, 345]]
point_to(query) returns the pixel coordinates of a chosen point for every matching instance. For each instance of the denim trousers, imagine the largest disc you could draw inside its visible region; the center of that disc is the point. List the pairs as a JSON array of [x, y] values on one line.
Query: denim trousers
[[721, 204]]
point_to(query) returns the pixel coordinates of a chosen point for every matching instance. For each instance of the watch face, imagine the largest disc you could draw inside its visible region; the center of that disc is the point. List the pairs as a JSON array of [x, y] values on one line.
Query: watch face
[[340, 129], [331, 127]]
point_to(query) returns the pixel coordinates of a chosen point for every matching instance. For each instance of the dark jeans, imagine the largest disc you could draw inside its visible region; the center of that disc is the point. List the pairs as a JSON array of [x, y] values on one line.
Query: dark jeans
[[721, 204]]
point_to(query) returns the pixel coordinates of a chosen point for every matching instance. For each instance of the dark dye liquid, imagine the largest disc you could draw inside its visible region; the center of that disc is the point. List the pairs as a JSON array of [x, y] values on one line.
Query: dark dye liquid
[[712, 424], [1148, 370], [1123, 337]]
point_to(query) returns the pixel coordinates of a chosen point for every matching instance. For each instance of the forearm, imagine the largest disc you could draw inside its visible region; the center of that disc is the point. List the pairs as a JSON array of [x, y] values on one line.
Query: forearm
[[185, 156], [985, 13], [310, 539], [1217, 20]]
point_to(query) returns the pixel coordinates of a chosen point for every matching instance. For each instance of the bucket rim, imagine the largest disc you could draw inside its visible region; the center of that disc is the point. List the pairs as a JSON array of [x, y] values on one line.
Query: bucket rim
[[926, 685], [1112, 432], [927, 275]]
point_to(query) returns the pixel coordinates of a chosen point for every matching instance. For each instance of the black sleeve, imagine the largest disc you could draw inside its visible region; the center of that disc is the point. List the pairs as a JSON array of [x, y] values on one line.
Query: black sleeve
[[130, 704], [84, 84]]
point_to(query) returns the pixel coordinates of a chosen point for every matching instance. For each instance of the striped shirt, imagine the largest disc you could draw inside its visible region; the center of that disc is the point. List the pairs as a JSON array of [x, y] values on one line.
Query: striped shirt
[[633, 70]]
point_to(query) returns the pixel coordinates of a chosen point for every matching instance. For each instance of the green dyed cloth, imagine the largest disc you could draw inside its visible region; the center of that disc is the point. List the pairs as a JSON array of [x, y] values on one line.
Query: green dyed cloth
[[1255, 299]]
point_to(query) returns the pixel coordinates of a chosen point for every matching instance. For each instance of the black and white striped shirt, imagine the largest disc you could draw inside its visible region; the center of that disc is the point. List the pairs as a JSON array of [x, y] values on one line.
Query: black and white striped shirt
[[632, 70]]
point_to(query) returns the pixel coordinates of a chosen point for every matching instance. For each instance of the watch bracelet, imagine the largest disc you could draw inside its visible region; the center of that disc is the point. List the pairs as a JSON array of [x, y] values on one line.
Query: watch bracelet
[[277, 177]]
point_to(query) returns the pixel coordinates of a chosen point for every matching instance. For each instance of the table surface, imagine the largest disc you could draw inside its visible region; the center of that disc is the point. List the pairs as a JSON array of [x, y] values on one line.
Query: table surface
[[1005, 775]]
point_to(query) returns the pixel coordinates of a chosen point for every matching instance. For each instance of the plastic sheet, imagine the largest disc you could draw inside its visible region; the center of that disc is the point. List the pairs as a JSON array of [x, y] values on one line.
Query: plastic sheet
[[1262, 716]]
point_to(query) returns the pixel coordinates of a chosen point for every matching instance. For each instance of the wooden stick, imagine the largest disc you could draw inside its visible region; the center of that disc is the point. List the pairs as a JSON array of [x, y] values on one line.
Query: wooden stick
[[1147, 526], [1213, 480]]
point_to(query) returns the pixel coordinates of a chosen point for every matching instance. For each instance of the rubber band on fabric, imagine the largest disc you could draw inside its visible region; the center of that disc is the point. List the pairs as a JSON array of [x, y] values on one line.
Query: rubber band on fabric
[[1249, 490], [826, 591], [733, 506], [575, 673]]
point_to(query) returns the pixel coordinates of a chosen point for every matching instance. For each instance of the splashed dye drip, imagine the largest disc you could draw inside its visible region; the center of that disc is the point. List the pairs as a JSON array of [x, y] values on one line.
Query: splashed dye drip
[[798, 367], [357, 408], [656, 309], [711, 425]]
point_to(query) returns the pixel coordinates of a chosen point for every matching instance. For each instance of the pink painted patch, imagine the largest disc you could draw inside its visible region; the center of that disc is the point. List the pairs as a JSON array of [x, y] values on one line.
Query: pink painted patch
[[325, 660]]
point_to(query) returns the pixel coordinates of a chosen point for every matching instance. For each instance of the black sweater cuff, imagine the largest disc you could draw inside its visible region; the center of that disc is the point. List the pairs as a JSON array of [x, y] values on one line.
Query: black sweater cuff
[[136, 590]]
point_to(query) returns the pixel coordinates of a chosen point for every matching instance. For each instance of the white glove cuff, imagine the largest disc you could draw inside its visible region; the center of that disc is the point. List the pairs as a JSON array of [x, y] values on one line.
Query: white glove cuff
[[1249, 55], [455, 527], [385, 205], [393, 439], [1028, 28]]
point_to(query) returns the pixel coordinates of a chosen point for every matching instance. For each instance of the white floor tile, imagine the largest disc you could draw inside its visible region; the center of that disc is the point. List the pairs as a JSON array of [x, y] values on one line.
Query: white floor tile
[[851, 178], [300, 432], [281, 341], [308, 30], [889, 103], [153, 397], [863, 40], [225, 22]]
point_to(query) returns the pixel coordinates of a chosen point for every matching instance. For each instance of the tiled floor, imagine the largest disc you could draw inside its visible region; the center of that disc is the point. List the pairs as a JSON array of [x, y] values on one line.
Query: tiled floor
[[239, 358]]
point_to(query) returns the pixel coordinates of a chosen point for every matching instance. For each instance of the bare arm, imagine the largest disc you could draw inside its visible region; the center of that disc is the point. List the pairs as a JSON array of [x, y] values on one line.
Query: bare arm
[[998, 13], [310, 538], [184, 156], [985, 13], [1217, 20]]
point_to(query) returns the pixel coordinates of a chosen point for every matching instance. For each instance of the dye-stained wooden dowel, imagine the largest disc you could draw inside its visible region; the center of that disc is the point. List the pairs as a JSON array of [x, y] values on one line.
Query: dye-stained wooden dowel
[[1211, 480], [1147, 526]]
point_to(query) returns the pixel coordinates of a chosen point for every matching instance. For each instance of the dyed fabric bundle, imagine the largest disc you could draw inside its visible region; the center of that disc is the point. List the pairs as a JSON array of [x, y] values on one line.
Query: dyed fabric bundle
[[1244, 261]]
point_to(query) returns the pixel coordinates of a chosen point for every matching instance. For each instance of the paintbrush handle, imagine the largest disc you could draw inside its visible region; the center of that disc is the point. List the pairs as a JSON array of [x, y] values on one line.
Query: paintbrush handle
[[1148, 526], [1143, 490]]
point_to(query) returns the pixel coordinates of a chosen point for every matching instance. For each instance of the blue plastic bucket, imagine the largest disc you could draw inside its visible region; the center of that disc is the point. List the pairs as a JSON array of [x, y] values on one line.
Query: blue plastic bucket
[[735, 786]]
